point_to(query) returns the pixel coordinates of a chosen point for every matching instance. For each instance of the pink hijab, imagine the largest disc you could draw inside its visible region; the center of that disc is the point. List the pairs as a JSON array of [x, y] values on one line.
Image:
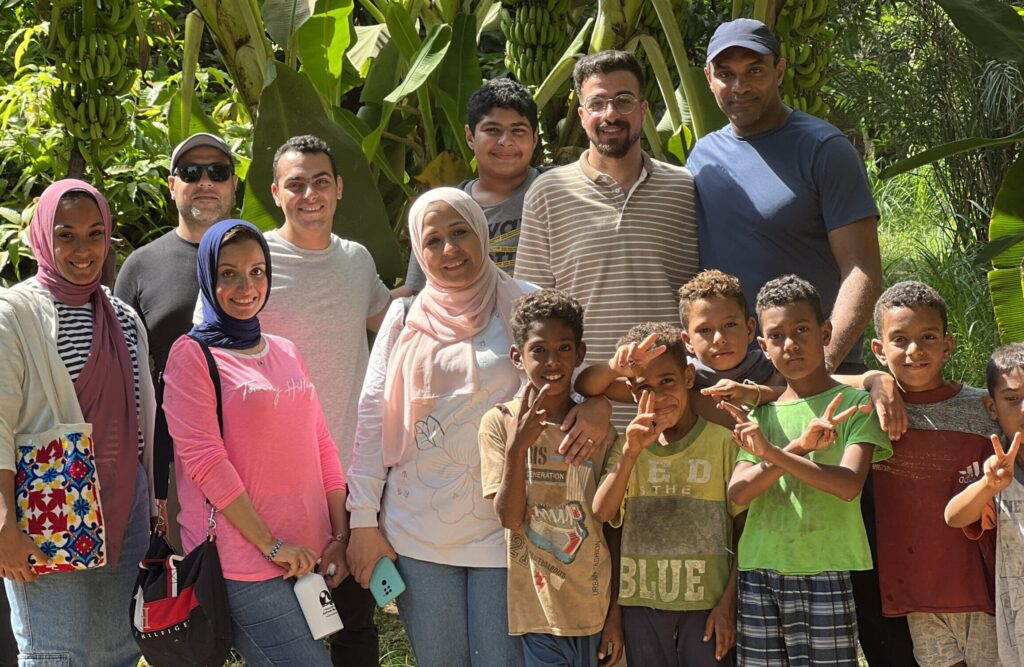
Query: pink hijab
[[433, 357], [106, 385]]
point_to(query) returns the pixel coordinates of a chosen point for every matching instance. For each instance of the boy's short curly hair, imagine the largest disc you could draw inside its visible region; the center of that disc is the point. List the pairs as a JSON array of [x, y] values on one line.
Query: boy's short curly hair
[[709, 284], [786, 290], [606, 62], [305, 144], [503, 94], [668, 335], [1004, 359], [545, 304], [909, 294]]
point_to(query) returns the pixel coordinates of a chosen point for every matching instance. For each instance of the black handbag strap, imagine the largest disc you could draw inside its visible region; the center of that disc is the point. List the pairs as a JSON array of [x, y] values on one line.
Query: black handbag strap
[[211, 364]]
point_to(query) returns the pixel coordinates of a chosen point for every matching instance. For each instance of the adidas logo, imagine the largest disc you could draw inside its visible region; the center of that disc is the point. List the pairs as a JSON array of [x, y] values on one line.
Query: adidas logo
[[970, 473]]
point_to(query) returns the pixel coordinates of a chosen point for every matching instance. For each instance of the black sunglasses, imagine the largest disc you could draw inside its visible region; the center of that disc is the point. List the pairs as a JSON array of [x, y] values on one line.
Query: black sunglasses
[[192, 173]]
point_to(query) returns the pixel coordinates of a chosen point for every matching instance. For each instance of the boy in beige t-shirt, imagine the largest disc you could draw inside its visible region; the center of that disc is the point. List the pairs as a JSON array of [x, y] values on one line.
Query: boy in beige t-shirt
[[559, 567]]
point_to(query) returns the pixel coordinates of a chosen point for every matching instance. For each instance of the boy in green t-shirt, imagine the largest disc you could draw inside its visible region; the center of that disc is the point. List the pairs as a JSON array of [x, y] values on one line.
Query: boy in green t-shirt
[[559, 566], [801, 474], [666, 485]]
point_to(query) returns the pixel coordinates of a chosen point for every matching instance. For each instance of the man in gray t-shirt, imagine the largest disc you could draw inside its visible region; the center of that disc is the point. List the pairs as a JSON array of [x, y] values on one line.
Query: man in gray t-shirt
[[325, 296], [502, 131]]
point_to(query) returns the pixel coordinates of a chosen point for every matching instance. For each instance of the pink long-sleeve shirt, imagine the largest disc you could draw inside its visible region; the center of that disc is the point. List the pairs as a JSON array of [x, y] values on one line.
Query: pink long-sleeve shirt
[[276, 446]]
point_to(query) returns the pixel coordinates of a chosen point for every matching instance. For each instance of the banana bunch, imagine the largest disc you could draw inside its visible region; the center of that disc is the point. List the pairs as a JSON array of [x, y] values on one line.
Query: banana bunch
[[650, 24], [801, 27], [91, 43], [536, 33]]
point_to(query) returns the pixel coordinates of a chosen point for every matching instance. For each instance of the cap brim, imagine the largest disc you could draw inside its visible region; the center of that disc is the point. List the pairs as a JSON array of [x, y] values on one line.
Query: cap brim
[[756, 47]]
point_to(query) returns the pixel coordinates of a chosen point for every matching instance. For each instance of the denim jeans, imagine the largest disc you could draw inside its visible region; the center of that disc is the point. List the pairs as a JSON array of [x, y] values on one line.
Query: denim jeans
[[457, 616], [268, 628], [80, 619]]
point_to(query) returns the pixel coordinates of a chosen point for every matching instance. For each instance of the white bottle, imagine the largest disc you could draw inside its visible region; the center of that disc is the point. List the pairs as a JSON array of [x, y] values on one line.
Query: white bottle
[[317, 606]]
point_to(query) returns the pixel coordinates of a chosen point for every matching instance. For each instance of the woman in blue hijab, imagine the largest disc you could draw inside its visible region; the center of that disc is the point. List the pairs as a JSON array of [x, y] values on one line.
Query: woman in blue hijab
[[274, 473]]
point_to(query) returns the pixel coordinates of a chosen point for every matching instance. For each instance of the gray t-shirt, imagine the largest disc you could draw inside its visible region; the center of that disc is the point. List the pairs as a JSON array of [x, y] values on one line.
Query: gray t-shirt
[[320, 300], [503, 220]]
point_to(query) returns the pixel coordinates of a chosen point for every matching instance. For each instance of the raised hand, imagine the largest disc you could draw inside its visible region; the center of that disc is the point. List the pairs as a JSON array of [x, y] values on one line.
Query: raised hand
[[530, 422], [644, 429], [999, 467], [630, 358], [746, 434], [820, 432]]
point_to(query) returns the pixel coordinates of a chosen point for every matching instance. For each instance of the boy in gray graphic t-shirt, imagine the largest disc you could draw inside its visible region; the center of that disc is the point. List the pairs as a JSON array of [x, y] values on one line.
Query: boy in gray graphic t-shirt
[[502, 132]]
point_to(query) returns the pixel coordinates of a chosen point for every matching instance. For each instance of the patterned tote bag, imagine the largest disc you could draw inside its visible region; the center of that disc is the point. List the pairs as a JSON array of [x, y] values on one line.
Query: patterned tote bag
[[57, 491]]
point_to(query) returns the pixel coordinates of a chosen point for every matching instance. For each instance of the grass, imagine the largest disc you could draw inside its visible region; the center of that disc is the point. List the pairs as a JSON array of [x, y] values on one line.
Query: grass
[[917, 242]]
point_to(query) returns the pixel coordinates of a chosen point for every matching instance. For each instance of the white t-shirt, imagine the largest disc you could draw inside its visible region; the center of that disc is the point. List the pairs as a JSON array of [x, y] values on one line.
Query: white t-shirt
[[433, 507], [1010, 572], [320, 300]]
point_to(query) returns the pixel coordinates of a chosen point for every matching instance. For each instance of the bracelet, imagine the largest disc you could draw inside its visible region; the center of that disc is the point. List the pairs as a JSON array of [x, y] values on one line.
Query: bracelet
[[341, 538], [757, 387], [272, 554]]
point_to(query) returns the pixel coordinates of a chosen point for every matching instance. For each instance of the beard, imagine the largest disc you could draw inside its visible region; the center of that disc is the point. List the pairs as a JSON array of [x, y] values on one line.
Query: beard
[[203, 218], [617, 147]]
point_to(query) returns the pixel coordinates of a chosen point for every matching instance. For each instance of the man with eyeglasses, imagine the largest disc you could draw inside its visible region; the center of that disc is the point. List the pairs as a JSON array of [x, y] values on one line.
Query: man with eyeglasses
[[616, 229], [159, 279]]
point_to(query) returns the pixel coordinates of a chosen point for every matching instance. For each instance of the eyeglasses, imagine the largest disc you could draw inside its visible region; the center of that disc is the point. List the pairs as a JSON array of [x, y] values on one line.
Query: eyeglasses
[[624, 104], [192, 173]]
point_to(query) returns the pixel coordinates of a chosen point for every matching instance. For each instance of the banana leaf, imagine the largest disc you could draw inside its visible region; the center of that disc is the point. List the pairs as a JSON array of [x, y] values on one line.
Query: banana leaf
[[936, 153], [322, 41], [1006, 229], [1007, 303], [992, 26], [361, 215]]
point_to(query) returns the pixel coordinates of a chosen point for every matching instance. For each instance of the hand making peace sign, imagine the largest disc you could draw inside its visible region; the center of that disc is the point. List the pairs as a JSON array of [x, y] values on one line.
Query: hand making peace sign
[[630, 358], [999, 466], [746, 434], [530, 421], [644, 429], [820, 432]]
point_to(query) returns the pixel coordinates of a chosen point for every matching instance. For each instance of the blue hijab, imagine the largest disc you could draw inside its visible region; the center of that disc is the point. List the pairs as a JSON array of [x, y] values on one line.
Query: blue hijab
[[218, 329]]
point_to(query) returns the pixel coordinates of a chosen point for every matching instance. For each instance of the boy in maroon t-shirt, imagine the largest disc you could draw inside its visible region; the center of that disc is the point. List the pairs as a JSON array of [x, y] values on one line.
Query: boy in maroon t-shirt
[[931, 573]]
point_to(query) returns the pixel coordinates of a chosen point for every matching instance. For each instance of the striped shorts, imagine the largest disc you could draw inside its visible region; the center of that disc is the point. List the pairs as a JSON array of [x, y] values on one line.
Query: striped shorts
[[796, 620]]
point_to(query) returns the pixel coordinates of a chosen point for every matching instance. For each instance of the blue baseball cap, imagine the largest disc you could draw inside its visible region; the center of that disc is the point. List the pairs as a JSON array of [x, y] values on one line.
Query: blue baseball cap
[[746, 33]]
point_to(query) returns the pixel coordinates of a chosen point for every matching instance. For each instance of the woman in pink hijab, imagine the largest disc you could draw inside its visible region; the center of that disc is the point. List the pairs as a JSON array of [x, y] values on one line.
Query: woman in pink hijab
[[70, 353], [437, 366]]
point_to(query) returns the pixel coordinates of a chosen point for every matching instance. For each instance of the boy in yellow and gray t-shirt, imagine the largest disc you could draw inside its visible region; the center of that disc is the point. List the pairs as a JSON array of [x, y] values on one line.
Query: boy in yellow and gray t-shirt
[[666, 485], [559, 567]]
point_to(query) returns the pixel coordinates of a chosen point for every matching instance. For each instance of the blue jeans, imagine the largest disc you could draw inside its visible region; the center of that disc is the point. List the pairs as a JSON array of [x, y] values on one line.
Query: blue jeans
[[541, 650], [268, 628], [80, 619], [457, 616]]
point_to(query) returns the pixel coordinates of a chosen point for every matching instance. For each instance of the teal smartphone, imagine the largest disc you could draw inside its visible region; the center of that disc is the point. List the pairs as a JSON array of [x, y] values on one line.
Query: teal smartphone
[[385, 582]]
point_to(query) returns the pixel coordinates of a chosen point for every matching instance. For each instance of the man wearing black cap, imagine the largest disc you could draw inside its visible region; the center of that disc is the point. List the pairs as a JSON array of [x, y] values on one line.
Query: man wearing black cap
[[159, 280], [780, 191]]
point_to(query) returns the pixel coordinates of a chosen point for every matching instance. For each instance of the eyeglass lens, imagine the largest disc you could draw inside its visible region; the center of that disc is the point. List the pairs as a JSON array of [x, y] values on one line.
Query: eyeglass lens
[[623, 104]]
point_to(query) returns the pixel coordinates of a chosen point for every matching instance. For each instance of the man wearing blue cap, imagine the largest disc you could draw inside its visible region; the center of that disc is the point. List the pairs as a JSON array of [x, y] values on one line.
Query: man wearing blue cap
[[781, 191]]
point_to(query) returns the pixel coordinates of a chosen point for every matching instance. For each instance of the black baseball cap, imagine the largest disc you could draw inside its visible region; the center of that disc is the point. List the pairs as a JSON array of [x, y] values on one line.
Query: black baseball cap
[[747, 33]]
